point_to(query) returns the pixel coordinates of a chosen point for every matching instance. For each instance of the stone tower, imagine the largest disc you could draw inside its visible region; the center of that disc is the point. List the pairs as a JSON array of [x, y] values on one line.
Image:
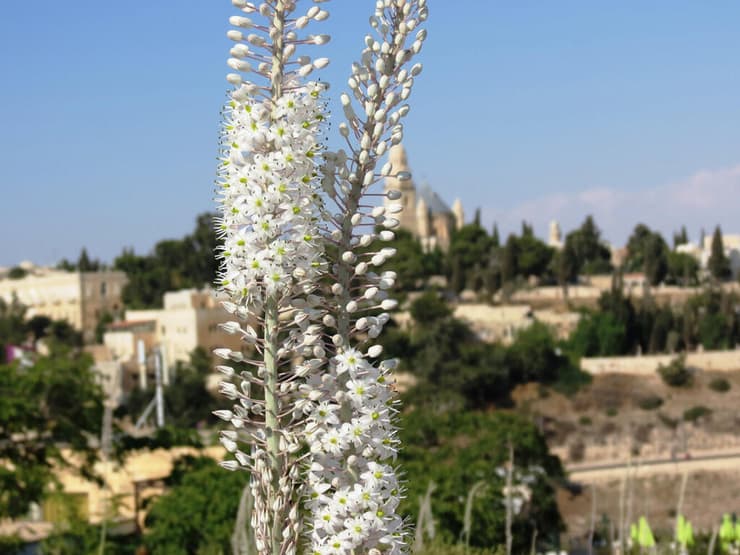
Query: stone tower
[[457, 211], [423, 227], [555, 240], [400, 163]]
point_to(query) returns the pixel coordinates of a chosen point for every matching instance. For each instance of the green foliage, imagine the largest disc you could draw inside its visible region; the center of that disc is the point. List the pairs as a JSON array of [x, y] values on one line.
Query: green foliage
[[534, 255], [457, 450], [667, 421], [533, 356], [173, 264], [585, 251], [105, 319], [599, 334], [453, 364], [650, 402], [429, 308], [647, 252], [720, 385], [683, 269], [11, 544], [471, 246], [718, 263], [13, 327], [17, 272], [695, 413], [86, 264], [680, 238], [196, 516], [675, 373], [618, 328], [57, 400]]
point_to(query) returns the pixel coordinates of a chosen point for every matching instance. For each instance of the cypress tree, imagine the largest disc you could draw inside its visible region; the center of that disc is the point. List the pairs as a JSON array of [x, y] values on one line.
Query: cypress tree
[[718, 264]]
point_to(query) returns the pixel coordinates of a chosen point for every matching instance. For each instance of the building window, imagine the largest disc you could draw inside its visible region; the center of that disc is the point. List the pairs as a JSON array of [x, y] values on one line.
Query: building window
[[103, 289], [163, 330]]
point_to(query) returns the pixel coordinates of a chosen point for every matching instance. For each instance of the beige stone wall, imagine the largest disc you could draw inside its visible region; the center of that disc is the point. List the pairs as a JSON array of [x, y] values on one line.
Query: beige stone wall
[[120, 479], [188, 320], [718, 361], [502, 323], [79, 298]]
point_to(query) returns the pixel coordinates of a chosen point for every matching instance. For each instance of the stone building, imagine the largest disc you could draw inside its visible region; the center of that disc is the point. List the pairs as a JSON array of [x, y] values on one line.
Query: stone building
[[189, 319], [80, 298], [703, 252], [424, 213], [555, 236]]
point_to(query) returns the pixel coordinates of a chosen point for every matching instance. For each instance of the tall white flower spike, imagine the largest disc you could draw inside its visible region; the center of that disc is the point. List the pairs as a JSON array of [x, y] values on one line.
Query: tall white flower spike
[[353, 487], [272, 256], [314, 407]]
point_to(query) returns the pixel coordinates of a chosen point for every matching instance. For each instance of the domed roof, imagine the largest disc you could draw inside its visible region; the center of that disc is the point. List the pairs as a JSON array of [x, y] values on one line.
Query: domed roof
[[433, 200]]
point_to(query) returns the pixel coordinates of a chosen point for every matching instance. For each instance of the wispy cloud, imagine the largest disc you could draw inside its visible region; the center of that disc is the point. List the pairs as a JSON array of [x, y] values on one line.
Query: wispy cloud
[[703, 200]]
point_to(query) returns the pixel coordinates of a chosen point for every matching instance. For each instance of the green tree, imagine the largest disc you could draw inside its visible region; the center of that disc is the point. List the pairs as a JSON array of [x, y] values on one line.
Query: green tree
[[55, 401], [197, 514], [429, 308], [647, 252], [636, 247], [495, 239], [458, 450], [683, 269], [86, 264], [534, 256], [656, 259], [718, 264], [533, 356], [510, 260], [587, 251], [172, 264], [16, 272], [13, 327], [680, 238], [470, 246]]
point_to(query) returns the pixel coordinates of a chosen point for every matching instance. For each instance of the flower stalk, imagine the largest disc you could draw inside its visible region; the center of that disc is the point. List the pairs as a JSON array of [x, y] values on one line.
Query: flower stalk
[[314, 405]]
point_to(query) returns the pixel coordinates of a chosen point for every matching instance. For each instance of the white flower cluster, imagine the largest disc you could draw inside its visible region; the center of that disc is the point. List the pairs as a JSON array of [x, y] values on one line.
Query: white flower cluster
[[353, 491], [268, 195], [275, 228]]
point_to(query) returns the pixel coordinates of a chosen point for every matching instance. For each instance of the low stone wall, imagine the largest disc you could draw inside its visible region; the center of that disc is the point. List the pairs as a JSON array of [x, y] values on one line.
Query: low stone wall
[[717, 361]]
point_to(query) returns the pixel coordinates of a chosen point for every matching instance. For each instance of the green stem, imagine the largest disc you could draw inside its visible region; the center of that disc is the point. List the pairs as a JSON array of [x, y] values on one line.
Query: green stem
[[272, 408], [271, 414]]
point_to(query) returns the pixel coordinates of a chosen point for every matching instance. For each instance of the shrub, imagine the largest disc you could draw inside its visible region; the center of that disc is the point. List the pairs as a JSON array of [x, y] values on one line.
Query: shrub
[[695, 413], [611, 412], [585, 421], [720, 385], [676, 374], [667, 421], [651, 402]]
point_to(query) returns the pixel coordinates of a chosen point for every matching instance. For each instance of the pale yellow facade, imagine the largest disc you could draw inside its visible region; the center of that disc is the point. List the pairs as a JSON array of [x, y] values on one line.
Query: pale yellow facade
[[80, 298], [188, 319]]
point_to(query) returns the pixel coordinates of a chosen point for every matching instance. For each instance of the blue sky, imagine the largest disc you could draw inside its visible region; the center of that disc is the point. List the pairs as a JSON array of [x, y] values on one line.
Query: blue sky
[[529, 110]]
